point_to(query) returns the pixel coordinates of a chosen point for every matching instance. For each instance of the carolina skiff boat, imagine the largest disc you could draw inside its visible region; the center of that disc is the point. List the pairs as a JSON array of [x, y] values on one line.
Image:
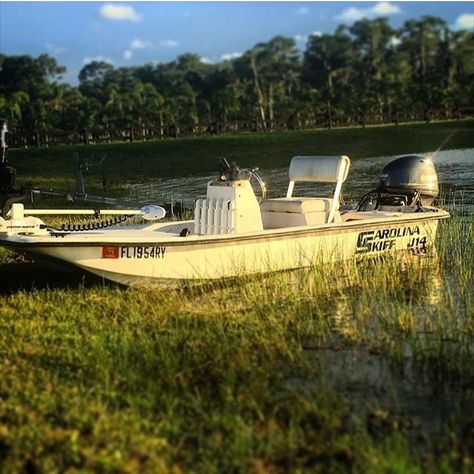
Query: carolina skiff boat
[[234, 233]]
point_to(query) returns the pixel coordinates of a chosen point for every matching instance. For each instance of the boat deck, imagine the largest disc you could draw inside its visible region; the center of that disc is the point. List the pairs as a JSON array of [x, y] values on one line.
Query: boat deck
[[171, 232]]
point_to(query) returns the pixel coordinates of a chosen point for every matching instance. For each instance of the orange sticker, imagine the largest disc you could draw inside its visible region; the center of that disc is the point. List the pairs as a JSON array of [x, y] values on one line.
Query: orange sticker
[[110, 252]]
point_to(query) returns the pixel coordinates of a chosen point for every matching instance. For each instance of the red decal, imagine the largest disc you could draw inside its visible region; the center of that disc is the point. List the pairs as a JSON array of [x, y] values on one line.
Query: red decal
[[110, 252]]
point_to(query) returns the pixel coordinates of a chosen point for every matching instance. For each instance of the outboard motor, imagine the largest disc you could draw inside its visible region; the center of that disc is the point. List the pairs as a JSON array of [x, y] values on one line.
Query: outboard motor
[[408, 183]]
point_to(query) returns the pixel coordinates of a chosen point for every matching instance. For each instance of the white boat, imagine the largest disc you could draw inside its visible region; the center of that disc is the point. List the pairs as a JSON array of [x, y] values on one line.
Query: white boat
[[234, 233]]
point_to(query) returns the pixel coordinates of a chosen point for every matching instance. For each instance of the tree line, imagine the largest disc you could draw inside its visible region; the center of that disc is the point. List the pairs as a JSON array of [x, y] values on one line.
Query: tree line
[[365, 73]]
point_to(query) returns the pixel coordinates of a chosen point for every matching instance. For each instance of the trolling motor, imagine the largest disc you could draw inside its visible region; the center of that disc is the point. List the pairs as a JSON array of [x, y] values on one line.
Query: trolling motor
[[406, 184], [7, 173]]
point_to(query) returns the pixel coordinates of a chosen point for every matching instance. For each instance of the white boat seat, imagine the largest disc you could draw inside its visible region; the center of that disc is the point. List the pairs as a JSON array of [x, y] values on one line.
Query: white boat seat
[[299, 211], [298, 205]]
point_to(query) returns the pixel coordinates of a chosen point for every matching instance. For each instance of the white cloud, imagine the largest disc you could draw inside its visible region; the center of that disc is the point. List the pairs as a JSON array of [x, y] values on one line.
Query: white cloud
[[351, 14], [127, 55], [90, 59], [303, 11], [205, 60], [465, 22], [111, 11], [55, 49], [137, 43], [385, 8], [304, 38], [379, 9], [169, 43], [230, 56], [300, 38]]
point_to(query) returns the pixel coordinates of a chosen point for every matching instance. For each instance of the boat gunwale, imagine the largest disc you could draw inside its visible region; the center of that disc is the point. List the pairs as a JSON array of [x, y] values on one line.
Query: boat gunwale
[[195, 240]]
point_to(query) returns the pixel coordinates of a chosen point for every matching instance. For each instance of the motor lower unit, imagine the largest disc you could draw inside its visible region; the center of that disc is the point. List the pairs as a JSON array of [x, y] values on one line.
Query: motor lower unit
[[7, 178]]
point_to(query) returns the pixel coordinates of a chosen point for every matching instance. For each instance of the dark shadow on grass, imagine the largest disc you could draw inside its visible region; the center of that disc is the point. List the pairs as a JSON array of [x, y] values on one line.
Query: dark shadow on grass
[[201, 287], [26, 275]]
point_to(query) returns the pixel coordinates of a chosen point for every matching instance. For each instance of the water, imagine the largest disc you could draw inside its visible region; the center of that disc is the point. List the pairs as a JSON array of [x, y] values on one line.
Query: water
[[455, 173]]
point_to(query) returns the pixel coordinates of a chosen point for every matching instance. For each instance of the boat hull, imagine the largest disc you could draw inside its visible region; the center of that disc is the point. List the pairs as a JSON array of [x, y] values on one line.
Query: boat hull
[[160, 259]]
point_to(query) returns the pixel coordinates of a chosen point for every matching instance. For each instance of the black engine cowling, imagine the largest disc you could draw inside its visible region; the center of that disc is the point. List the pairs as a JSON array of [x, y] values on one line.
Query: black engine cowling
[[405, 184], [410, 176]]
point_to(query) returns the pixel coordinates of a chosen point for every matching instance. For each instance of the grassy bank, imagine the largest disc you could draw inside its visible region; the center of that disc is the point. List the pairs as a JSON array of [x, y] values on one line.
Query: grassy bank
[[353, 368], [129, 161]]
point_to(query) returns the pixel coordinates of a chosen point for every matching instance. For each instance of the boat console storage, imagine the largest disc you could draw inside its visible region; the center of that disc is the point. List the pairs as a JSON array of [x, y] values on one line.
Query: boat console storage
[[231, 206]]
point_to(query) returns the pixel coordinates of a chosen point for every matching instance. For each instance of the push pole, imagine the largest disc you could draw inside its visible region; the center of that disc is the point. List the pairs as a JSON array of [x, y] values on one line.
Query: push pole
[[3, 139]]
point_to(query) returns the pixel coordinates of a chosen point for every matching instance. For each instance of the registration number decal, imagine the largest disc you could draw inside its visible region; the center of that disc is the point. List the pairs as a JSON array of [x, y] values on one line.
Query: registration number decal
[[152, 251], [142, 252]]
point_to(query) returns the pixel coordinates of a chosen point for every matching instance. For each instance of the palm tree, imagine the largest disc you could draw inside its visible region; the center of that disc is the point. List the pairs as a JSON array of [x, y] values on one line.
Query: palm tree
[[372, 51], [327, 60], [422, 40]]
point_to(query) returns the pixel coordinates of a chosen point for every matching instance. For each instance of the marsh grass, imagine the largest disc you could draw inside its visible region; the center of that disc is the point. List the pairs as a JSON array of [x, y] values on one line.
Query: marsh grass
[[363, 366]]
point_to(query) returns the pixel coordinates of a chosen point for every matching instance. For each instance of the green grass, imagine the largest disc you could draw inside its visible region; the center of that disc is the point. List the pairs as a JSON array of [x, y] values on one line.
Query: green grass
[[362, 367], [136, 161]]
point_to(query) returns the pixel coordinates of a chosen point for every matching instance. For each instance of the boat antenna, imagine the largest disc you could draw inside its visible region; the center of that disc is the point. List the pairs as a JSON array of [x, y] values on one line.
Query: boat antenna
[[446, 140]]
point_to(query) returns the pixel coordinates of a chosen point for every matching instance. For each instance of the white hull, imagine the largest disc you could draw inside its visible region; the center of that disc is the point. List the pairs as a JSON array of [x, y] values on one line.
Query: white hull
[[136, 256], [233, 234]]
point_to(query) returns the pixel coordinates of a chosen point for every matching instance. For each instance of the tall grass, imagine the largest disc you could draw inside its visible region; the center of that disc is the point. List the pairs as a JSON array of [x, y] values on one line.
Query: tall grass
[[364, 366]]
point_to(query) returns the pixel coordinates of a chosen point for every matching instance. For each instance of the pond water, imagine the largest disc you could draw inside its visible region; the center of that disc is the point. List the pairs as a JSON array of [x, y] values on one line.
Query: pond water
[[455, 173]]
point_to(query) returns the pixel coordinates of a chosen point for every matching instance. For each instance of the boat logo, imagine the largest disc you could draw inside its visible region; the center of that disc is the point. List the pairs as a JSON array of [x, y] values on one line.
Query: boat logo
[[381, 240]]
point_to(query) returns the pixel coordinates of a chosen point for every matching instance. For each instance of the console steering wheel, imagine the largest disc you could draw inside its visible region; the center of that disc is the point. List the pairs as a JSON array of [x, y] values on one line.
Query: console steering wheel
[[263, 188]]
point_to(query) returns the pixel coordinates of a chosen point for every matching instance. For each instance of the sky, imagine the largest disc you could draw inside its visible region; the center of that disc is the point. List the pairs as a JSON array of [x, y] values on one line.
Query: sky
[[135, 33]]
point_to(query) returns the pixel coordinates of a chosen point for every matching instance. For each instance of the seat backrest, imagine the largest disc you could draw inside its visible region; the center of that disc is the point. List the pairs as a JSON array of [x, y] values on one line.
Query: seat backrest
[[320, 169]]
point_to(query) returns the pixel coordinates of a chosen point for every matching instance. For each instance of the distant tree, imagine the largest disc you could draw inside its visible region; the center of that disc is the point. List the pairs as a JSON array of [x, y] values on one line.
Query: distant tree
[[423, 41], [12, 106], [29, 85], [327, 62], [460, 91], [273, 70], [363, 71], [372, 51], [26, 74]]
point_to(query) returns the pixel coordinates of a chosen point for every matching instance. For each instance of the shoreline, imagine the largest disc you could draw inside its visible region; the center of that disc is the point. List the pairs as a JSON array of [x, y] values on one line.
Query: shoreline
[[193, 156]]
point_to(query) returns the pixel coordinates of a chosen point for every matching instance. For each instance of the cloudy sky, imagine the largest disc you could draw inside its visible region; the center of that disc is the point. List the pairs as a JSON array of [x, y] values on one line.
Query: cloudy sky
[[132, 33]]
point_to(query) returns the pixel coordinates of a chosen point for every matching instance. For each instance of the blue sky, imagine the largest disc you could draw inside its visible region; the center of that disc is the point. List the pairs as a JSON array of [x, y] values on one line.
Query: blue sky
[[132, 33]]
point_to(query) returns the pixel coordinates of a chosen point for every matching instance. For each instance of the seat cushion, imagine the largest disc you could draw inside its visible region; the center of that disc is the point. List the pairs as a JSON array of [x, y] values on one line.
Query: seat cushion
[[296, 205]]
